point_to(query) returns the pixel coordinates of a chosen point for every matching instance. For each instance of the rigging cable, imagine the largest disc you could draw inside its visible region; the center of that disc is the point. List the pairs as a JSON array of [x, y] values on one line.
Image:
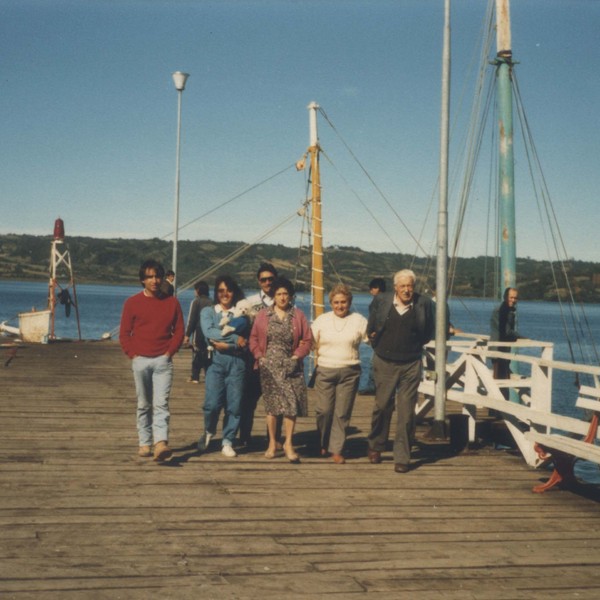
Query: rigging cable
[[241, 250], [364, 205], [554, 228], [380, 192], [250, 189]]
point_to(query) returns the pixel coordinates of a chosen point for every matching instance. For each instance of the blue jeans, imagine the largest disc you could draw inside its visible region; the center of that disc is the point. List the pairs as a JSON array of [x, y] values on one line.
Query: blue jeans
[[224, 387], [153, 378]]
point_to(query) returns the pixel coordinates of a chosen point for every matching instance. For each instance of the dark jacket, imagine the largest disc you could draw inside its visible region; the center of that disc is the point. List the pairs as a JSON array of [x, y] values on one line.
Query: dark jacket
[[503, 324], [193, 329], [379, 311]]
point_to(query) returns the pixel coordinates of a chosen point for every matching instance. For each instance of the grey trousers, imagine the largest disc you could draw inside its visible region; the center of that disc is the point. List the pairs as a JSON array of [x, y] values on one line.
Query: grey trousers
[[336, 390], [395, 383]]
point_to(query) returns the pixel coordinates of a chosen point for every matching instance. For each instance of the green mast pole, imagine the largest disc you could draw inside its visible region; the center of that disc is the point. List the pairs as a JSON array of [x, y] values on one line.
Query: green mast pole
[[508, 241], [504, 63]]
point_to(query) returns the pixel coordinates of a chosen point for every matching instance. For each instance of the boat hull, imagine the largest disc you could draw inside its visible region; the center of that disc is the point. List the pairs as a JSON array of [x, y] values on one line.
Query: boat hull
[[34, 327]]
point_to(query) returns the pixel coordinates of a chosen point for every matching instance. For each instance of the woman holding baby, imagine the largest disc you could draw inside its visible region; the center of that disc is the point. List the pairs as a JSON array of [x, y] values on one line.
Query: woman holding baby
[[279, 340], [224, 383]]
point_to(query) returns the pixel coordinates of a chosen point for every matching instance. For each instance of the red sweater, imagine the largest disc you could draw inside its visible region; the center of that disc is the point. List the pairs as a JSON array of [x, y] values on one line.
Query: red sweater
[[151, 326]]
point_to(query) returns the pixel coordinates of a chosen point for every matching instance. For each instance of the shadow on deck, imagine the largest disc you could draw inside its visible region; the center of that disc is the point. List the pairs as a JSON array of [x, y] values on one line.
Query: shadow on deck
[[81, 516]]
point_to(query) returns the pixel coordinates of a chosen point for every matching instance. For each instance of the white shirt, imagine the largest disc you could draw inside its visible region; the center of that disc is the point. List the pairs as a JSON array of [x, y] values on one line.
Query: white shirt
[[336, 340], [260, 299], [401, 308]]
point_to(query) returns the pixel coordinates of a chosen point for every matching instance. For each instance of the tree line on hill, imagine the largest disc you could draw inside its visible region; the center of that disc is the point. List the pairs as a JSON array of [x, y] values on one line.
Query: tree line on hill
[[116, 261]]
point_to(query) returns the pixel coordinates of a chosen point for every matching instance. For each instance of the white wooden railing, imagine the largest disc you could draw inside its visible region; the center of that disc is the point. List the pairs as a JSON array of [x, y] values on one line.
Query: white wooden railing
[[470, 381]]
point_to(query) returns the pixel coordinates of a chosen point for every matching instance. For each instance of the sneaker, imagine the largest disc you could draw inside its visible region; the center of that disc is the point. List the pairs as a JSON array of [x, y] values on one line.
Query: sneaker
[[190, 380], [162, 451], [228, 451], [144, 451], [204, 441]]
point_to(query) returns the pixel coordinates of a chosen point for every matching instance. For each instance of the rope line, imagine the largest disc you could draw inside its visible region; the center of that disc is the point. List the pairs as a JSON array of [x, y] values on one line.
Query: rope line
[[236, 197]]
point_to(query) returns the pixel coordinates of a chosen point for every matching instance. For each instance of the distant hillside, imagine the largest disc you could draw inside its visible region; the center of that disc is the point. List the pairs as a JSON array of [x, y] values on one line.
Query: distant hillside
[[116, 261]]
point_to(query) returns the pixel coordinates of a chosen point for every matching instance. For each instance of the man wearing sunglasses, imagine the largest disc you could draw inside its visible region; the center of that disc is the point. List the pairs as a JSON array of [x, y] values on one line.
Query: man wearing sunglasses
[[265, 275]]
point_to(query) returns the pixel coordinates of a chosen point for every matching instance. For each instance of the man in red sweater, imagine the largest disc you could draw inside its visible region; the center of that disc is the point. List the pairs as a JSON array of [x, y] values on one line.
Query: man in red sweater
[[151, 333]]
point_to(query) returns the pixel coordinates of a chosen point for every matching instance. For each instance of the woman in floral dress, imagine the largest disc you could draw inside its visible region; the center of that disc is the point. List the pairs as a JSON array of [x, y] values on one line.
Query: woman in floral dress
[[279, 340]]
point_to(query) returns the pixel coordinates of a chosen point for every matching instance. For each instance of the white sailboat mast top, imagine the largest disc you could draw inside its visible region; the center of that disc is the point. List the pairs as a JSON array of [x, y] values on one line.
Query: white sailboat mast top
[[503, 38], [314, 138]]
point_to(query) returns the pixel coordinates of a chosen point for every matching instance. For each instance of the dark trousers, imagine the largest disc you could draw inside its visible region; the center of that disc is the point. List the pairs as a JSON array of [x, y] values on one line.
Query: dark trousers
[[396, 386], [252, 393], [501, 369], [200, 361]]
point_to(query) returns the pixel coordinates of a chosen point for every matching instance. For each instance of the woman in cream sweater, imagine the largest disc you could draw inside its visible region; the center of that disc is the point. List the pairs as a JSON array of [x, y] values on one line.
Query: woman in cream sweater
[[337, 336]]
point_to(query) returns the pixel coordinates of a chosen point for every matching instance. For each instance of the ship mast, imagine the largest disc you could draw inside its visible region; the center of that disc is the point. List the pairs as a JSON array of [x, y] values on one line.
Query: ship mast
[[317, 284], [441, 306], [504, 64]]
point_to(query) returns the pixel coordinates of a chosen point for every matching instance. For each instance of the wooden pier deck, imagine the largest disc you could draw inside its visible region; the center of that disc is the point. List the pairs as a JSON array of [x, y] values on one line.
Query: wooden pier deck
[[81, 516]]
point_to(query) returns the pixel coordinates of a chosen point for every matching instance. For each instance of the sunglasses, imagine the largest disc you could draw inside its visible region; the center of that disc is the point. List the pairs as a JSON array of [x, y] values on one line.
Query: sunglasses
[[265, 279]]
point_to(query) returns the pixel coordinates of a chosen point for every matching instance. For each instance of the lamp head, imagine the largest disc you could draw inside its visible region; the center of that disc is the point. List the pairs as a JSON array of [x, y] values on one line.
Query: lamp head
[[179, 80]]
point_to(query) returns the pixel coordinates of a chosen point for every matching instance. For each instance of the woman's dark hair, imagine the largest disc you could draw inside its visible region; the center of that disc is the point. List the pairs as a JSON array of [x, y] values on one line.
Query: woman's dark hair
[[151, 264], [231, 285], [284, 282]]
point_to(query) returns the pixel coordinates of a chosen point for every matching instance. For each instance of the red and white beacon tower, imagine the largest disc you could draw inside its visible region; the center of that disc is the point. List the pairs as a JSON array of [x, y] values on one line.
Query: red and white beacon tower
[[62, 280]]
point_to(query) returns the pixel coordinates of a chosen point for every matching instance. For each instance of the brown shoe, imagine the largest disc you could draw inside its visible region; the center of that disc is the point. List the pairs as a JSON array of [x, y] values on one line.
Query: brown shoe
[[162, 452], [144, 451], [401, 468], [338, 459], [374, 456]]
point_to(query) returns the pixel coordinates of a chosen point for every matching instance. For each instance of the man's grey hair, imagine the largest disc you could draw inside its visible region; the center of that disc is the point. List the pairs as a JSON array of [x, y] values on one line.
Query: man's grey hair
[[404, 273]]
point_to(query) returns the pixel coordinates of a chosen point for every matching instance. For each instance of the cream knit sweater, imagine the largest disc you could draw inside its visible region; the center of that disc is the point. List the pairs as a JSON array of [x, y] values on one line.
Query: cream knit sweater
[[336, 340]]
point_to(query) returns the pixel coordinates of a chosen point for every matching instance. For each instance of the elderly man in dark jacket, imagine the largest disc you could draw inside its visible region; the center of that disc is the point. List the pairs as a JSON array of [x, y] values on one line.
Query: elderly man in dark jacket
[[400, 324]]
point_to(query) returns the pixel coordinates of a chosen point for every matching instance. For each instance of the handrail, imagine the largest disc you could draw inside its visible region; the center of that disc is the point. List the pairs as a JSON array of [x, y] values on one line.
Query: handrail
[[471, 383]]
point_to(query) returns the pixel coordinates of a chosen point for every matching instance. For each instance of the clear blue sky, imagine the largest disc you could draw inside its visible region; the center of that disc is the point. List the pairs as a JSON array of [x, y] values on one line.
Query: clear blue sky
[[89, 114]]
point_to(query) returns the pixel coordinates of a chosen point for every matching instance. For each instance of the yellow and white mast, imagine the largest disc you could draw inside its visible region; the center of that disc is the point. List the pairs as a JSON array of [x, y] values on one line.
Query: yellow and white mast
[[317, 283]]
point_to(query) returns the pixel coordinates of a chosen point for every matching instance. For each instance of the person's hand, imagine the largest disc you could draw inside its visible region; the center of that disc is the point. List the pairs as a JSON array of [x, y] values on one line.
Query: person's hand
[[220, 346], [242, 342], [292, 365]]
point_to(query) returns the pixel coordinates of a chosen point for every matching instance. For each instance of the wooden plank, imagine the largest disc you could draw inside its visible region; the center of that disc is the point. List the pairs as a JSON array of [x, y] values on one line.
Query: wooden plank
[[82, 516]]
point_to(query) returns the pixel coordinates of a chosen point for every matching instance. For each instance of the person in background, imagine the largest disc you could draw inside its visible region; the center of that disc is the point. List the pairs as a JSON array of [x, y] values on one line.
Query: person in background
[[336, 337], [224, 385], [279, 340], [168, 284], [503, 328], [400, 324], [193, 332], [151, 332], [376, 286], [265, 275]]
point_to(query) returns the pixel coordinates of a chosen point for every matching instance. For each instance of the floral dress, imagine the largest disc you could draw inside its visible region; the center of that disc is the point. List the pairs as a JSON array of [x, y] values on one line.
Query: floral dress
[[281, 377]]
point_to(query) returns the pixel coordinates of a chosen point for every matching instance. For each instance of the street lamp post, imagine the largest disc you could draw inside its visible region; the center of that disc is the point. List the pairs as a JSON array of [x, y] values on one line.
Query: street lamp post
[[179, 80]]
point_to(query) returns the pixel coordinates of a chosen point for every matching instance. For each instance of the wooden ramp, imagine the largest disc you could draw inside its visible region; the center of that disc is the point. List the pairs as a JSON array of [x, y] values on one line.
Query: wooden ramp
[[81, 516]]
